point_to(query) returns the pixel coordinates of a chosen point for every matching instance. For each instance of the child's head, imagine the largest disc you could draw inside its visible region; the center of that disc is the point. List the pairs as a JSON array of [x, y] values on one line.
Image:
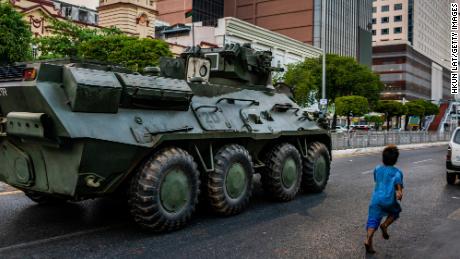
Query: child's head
[[390, 155]]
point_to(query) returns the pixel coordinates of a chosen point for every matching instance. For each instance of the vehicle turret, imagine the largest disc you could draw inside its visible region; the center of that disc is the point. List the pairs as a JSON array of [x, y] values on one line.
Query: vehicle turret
[[233, 64]]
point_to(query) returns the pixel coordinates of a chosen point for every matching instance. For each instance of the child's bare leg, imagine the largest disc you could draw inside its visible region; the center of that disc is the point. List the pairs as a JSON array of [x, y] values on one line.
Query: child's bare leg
[[384, 226], [388, 221], [369, 240]]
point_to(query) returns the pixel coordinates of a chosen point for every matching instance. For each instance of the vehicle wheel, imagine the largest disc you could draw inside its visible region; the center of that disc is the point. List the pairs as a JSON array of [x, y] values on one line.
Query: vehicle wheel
[[451, 178], [316, 168], [283, 172], [43, 199], [164, 192], [230, 185]]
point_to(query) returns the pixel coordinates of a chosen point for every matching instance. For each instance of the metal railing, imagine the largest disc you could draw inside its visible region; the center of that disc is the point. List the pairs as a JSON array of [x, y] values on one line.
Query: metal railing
[[379, 139]]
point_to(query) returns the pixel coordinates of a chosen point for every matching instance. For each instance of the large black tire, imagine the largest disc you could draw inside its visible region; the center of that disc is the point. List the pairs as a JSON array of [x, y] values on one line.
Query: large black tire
[[44, 199], [230, 184], [282, 174], [316, 168], [164, 192], [451, 178]]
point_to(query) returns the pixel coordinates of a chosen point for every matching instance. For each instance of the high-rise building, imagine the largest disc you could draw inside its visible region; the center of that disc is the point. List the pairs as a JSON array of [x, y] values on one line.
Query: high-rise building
[[411, 48], [205, 11], [424, 24], [173, 11], [135, 17], [348, 28], [347, 23]]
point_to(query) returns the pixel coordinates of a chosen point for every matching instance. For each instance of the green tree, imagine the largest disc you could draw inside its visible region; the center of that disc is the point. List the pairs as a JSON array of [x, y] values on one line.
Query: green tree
[[351, 106], [390, 109], [413, 109], [429, 107], [67, 38], [376, 119], [15, 35], [344, 76], [129, 51]]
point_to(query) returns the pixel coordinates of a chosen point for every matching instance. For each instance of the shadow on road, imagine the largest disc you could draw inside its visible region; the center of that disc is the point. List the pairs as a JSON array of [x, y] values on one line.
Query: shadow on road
[[44, 222]]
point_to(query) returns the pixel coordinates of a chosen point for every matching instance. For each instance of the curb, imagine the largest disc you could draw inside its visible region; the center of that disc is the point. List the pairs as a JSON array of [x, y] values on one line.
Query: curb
[[373, 150]]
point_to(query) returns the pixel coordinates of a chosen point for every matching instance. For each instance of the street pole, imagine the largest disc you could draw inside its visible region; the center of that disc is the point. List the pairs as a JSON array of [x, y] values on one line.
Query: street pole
[[193, 35], [323, 43]]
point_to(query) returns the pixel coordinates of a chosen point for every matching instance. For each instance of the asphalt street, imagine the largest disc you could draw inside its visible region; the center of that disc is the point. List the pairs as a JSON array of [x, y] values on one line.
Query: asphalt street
[[326, 225]]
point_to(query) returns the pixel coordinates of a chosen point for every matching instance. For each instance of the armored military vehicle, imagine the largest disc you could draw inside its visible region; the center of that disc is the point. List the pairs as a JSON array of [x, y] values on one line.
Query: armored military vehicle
[[201, 124]]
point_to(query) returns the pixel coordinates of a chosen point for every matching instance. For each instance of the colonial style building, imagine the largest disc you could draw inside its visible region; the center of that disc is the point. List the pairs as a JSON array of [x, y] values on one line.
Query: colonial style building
[[135, 17], [36, 13]]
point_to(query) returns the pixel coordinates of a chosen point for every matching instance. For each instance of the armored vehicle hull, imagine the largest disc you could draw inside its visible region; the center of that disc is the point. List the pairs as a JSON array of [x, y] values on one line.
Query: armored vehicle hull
[[76, 131]]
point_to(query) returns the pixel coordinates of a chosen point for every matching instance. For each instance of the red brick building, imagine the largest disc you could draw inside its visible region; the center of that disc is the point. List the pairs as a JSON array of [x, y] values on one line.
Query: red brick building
[[173, 11], [292, 18]]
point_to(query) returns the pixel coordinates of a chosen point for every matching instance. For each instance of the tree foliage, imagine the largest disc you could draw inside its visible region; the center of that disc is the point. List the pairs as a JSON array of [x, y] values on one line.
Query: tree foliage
[[67, 37], [351, 106], [344, 76], [390, 109], [376, 119], [356, 105], [128, 51], [106, 45], [430, 108], [415, 109], [15, 35]]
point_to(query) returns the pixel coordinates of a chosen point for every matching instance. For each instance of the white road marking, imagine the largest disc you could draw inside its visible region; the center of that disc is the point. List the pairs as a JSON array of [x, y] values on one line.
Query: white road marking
[[422, 161], [457, 198], [56, 238], [455, 215], [368, 172], [9, 193]]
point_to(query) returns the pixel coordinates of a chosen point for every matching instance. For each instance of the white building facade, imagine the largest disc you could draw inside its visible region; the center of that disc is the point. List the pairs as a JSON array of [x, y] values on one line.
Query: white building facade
[[232, 30]]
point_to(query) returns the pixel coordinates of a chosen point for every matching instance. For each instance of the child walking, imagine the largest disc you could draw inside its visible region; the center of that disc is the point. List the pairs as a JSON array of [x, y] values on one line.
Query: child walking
[[388, 190]]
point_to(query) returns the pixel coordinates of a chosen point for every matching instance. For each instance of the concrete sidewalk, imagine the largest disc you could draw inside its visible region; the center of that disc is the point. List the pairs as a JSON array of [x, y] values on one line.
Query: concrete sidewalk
[[372, 150]]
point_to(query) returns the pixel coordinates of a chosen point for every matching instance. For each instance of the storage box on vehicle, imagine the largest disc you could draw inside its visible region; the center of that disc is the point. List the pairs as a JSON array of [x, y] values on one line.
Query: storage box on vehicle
[[91, 90]]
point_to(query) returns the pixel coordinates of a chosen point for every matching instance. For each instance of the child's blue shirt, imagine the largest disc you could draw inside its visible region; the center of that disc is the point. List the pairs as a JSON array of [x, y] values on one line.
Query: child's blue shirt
[[386, 178]]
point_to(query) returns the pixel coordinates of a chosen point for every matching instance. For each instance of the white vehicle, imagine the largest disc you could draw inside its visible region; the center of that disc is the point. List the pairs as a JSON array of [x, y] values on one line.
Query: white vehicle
[[340, 129], [453, 157]]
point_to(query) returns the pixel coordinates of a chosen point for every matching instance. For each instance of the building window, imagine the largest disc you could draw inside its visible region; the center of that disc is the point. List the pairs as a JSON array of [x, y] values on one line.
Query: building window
[[374, 9], [67, 12], [374, 21], [385, 31], [374, 32], [385, 8], [397, 30], [385, 19], [398, 18], [398, 7]]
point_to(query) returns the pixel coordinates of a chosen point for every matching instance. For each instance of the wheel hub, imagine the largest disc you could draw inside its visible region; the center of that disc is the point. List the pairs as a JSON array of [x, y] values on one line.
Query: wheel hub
[[236, 182], [289, 173], [320, 170], [175, 190]]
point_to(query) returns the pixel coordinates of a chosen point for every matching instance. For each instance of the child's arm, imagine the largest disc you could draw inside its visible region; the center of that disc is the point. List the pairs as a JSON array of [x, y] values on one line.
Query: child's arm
[[399, 192]]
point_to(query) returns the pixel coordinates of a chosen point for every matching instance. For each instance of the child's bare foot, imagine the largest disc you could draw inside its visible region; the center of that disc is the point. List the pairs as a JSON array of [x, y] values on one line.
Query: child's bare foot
[[369, 248], [385, 235]]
